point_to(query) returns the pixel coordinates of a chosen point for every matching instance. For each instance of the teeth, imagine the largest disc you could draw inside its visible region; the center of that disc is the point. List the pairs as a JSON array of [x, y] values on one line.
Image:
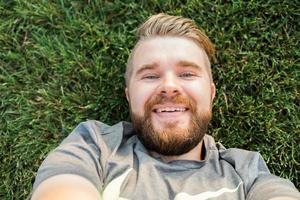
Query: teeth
[[170, 109]]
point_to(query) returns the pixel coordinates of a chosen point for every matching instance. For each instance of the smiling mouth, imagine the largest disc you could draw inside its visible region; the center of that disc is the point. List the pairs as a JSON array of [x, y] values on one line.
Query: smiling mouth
[[170, 109]]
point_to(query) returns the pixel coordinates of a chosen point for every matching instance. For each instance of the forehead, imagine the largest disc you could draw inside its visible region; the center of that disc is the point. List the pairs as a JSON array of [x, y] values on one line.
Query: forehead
[[167, 51]]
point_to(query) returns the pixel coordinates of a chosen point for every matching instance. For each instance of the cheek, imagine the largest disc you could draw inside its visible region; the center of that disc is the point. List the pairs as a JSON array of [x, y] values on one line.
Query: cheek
[[138, 97], [201, 93]]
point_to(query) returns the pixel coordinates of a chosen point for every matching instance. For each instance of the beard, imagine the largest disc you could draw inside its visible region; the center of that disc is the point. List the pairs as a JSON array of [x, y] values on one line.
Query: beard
[[172, 140]]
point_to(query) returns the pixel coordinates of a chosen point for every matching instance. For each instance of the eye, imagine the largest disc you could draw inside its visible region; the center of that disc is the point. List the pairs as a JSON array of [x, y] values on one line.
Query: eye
[[187, 75], [150, 76]]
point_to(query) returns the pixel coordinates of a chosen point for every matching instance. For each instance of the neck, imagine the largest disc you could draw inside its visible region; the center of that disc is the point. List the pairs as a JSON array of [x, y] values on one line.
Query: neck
[[194, 154]]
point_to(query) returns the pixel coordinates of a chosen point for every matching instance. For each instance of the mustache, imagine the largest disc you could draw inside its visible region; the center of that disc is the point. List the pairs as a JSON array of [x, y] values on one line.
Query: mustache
[[176, 99]]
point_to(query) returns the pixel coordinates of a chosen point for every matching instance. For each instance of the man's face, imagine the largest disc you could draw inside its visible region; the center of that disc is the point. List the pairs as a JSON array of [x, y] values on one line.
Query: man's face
[[170, 94]]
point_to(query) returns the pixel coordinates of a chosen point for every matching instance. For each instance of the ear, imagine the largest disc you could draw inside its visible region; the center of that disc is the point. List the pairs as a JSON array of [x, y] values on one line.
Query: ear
[[127, 94], [213, 91]]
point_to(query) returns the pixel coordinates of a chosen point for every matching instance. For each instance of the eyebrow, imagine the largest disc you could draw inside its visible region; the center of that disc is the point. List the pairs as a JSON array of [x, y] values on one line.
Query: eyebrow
[[147, 67], [154, 65], [185, 63]]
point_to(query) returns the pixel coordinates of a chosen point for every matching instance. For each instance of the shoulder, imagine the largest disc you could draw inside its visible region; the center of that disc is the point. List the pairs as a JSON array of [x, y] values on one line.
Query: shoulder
[[243, 161], [248, 165], [110, 136], [96, 128]]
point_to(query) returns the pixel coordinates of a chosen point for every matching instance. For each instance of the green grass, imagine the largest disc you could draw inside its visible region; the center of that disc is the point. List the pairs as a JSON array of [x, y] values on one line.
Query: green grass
[[62, 62]]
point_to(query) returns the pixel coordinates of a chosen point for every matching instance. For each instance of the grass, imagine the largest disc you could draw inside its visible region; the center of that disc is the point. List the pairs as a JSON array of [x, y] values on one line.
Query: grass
[[62, 62]]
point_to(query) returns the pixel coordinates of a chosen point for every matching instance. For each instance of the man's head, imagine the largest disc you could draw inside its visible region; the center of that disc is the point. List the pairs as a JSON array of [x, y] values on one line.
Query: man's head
[[169, 84]]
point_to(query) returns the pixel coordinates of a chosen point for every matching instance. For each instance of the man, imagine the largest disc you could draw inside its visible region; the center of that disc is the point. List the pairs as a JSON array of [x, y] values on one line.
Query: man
[[165, 154]]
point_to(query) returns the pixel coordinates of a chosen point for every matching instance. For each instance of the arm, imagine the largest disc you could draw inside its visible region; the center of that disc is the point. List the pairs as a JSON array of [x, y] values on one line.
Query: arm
[[66, 187], [73, 170]]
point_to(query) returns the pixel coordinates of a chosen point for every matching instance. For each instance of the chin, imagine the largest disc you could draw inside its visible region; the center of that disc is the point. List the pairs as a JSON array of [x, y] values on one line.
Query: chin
[[160, 126]]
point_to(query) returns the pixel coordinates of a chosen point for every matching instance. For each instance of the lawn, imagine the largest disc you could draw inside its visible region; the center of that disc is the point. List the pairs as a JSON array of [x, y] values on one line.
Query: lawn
[[62, 62]]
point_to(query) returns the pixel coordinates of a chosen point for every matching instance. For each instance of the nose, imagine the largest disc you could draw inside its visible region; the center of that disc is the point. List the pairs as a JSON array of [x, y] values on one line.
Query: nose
[[170, 86]]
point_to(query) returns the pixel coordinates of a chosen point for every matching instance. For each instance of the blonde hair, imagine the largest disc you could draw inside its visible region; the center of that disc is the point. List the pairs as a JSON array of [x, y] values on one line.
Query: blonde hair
[[168, 25]]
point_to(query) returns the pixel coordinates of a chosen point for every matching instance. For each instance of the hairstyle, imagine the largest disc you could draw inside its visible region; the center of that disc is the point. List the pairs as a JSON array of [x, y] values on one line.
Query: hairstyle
[[168, 25]]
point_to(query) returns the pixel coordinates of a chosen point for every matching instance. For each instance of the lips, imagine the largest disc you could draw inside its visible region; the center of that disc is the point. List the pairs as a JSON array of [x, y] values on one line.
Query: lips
[[170, 113], [169, 108]]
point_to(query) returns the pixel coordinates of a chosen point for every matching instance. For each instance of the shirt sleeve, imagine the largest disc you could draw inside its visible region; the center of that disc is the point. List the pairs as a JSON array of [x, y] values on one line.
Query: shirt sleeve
[[259, 183], [268, 186], [78, 154]]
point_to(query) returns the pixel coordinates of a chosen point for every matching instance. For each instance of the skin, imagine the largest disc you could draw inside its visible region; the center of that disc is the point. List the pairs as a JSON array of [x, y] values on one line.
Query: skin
[[170, 66], [66, 187]]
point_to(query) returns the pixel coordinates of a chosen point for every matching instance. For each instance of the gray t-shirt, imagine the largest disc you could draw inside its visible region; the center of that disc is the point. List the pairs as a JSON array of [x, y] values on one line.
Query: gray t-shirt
[[120, 167]]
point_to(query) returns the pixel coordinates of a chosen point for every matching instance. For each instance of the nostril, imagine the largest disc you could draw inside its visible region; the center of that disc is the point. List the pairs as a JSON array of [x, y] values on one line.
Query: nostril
[[169, 93], [169, 89], [174, 92]]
